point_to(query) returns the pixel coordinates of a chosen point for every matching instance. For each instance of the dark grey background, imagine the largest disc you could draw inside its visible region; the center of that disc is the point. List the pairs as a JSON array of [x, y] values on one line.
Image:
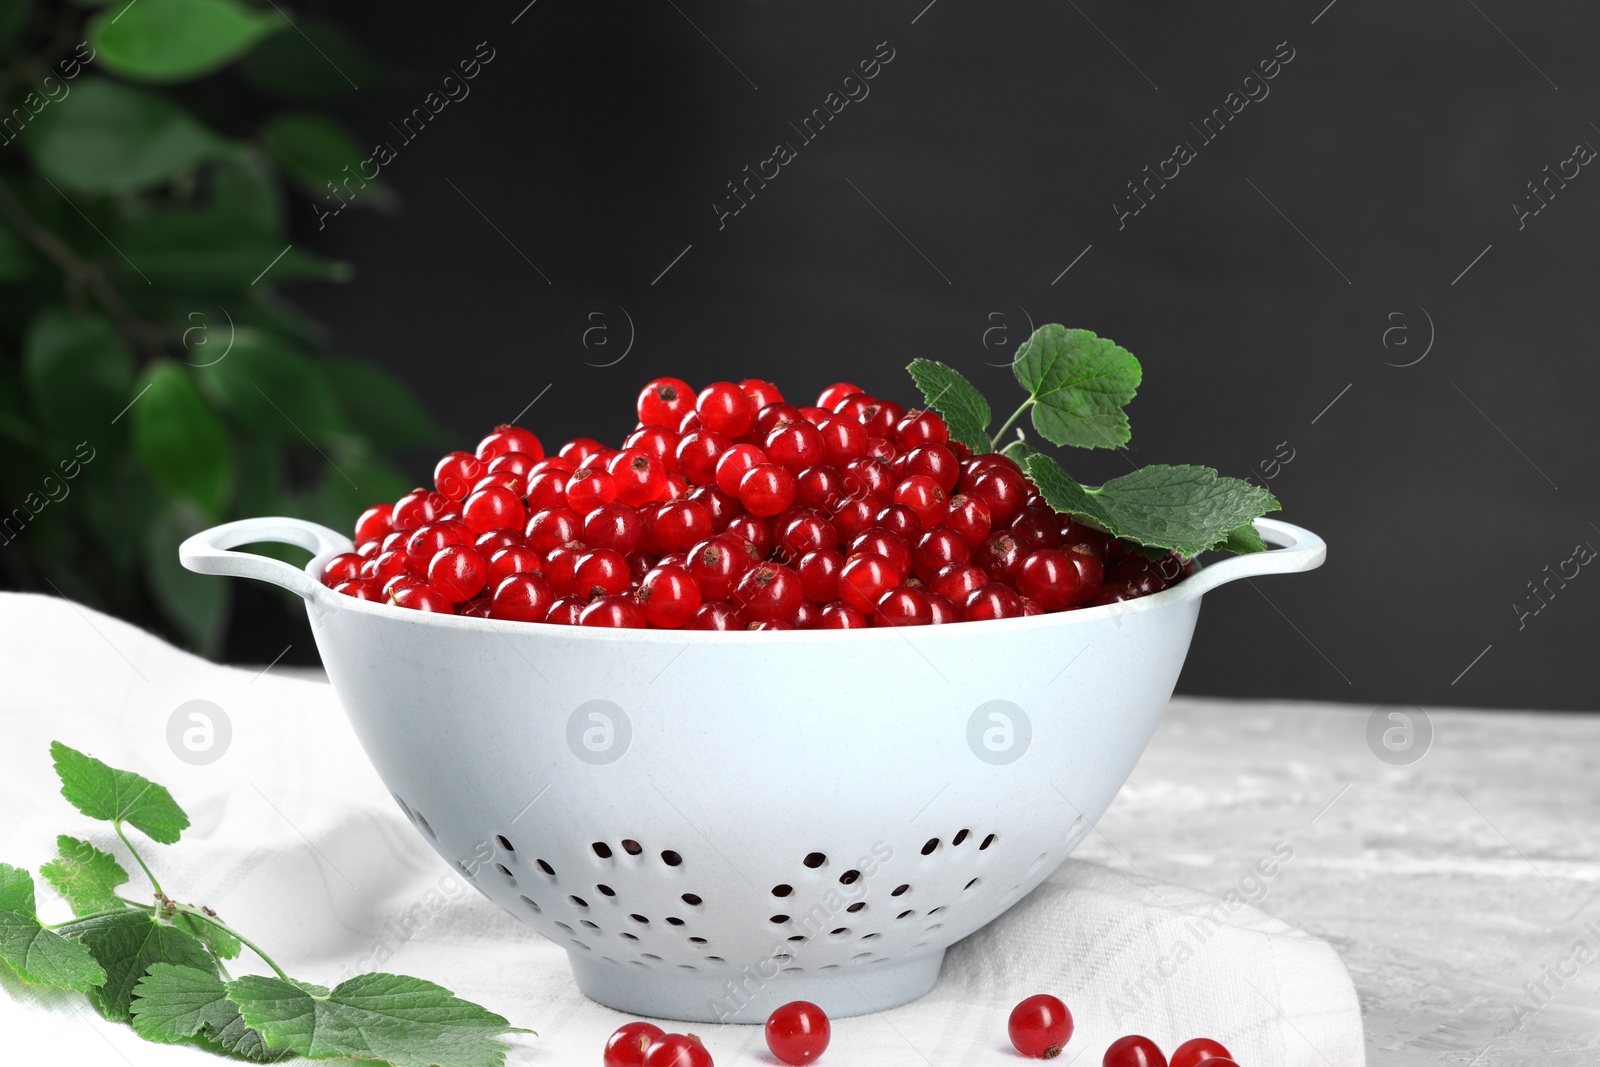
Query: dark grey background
[[1255, 288]]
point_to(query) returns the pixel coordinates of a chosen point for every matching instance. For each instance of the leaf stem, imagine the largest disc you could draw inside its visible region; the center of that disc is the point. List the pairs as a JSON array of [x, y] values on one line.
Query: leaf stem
[[116, 824], [994, 442], [199, 913]]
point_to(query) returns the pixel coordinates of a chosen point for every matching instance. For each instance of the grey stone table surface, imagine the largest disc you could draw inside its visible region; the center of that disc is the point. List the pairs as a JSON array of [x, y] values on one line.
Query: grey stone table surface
[[1455, 868], [1459, 877]]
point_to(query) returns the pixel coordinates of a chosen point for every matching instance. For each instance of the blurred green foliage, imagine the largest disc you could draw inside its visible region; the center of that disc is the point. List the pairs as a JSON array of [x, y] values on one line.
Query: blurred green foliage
[[153, 381]]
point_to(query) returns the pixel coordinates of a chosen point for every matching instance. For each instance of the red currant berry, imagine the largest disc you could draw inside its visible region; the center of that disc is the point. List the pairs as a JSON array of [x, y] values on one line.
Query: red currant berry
[[516, 463], [869, 478], [615, 526], [385, 565], [717, 566], [697, 455], [807, 615], [942, 610], [853, 405], [765, 489], [669, 597], [341, 568], [1037, 528], [360, 588], [375, 523], [904, 606], [804, 532], [880, 542], [522, 597], [882, 449], [1135, 1050], [1004, 490], [957, 581], [923, 495], [566, 610], [1076, 535], [819, 575], [1049, 578], [493, 541], [723, 508], [681, 525], [853, 518], [1091, 573], [838, 616], [798, 1033], [795, 445], [829, 398], [421, 598], [937, 549], [589, 488], [664, 402], [864, 579], [920, 428], [639, 476], [769, 591], [770, 417], [734, 464], [615, 612], [508, 561], [900, 521], [968, 515], [553, 526], [880, 418], [510, 439], [717, 615], [400, 581], [601, 572], [677, 1050], [659, 442], [418, 508], [761, 393], [1199, 1050], [992, 601], [494, 508], [1000, 556], [425, 543], [455, 474], [546, 489], [1040, 1026], [936, 462], [843, 440], [625, 1047], [724, 407], [819, 488], [581, 450], [458, 572], [757, 531]]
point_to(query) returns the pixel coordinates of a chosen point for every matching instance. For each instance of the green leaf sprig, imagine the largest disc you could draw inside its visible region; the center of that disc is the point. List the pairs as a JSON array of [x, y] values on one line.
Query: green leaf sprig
[[1078, 385], [159, 965]]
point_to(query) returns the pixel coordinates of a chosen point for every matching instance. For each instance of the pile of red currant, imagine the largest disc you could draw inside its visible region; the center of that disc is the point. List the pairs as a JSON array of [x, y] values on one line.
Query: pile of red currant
[[733, 509], [798, 1034]]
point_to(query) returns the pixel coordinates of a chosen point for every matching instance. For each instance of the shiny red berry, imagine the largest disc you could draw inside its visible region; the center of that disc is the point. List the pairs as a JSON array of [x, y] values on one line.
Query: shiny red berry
[[669, 597], [341, 568], [797, 1033], [734, 464], [765, 489], [508, 561], [1040, 1026], [590, 487], [837, 616], [724, 407], [992, 601], [697, 455], [493, 508], [768, 592], [1134, 1050], [831, 396], [615, 526], [553, 526], [864, 579], [505, 439], [681, 525], [717, 615], [456, 473], [614, 612], [626, 1046], [458, 572], [677, 1050], [1199, 1050], [375, 523], [639, 477], [664, 402], [903, 606], [421, 598], [601, 572], [522, 597]]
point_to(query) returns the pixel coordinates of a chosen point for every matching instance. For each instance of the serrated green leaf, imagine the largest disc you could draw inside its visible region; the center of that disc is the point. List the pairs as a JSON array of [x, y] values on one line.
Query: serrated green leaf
[[79, 373], [111, 138], [103, 792], [407, 1021], [39, 956], [1018, 451], [1187, 509], [126, 944], [1080, 384], [86, 877], [172, 1004], [963, 408], [180, 440], [1244, 540], [222, 944], [176, 40]]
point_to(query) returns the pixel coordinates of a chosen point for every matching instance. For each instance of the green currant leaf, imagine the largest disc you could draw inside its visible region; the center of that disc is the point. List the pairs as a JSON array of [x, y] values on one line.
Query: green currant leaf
[[1186, 509], [103, 792], [39, 956], [1080, 384], [1244, 540], [126, 944], [222, 944], [407, 1021], [173, 1004], [176, 40], [963, 408], [84, 876], [1018, 451]]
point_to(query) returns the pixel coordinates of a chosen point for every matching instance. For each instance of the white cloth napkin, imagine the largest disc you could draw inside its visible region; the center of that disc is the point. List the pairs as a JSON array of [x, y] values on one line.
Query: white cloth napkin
[[296, 841]]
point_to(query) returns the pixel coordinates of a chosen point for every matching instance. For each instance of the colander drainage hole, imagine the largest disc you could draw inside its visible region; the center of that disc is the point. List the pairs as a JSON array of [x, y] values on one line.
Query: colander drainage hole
[[937, 910], [601, 849], [607, 890], [565, 927], [590, 925], [779, 919], [905, 914], [716, 959], [630, 937], [961, 835], [798, 937], [849, 877], [929, 848], [697, 941], [671, 858], [815, 860], [631, 847], [503, 869], [783, 955], [932, 927], [500, 839], [857, 906], [692, 900], [686, 967], [636, 963], [641, 919], [829, 967], [422, 822], [579, 901], [546, 868], [782, 890], [532, 903], [672, 920], [650, 956], [859, 956], [839, 931], [900, 890], [969, 885], [870, 937], [986, 843], [580, 944]]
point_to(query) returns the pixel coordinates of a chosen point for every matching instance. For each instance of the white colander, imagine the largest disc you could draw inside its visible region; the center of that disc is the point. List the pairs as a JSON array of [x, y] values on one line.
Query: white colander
[[713, 824]]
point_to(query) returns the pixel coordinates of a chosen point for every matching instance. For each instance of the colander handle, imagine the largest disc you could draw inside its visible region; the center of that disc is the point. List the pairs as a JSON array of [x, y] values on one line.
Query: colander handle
[[1294, 549], [210, 551]]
